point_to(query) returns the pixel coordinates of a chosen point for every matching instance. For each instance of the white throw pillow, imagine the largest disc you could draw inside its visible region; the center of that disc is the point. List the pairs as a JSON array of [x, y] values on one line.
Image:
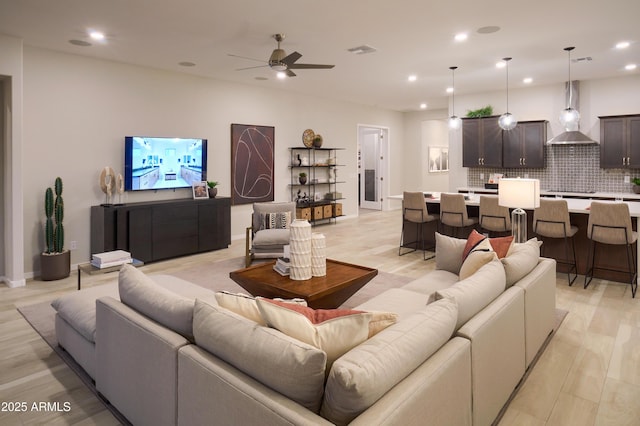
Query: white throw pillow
[[478, 257], [335, 331], [245, 305], [449, 253]]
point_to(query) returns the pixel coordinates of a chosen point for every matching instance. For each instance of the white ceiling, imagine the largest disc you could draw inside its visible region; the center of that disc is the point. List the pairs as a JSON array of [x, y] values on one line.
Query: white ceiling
[[411, 37]]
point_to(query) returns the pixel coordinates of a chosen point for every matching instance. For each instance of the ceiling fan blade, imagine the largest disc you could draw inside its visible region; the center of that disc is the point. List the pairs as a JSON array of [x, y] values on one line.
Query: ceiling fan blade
[[250, 68], [244, 57], [311, 66], [290, 73], [291, 58]]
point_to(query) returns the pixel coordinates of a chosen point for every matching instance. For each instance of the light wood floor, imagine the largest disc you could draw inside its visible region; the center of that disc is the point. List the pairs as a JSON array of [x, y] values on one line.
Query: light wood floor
[[588, 375]]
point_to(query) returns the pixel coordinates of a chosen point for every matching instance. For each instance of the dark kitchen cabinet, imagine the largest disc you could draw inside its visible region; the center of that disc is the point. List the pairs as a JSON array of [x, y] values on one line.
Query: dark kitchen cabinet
[[523, 147], [481, 142], [159, 230], [620, 142]]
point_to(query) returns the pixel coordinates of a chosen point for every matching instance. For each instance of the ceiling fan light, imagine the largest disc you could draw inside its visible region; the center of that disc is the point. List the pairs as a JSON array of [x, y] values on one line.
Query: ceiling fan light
[[569, 117], [507, 121], [278, 67], [455, 122]]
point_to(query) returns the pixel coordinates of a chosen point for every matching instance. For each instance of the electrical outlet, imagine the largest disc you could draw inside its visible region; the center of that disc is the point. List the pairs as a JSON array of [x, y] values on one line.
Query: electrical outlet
[[73, 245], [627, 179], [526, 175], [481, 176]]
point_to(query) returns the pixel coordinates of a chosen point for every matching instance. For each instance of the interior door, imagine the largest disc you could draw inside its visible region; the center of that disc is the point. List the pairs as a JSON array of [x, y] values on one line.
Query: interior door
[[371, 141]]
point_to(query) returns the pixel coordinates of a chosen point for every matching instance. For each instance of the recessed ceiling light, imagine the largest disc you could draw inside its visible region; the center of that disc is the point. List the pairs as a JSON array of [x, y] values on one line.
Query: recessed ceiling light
[[96, 35], [412, 78], [449, 89], [186, 64], [501, 64], [423, 106], [488, 30], [630, 67], [81, 43], [461, 36], [261, 78], [282, 75], [622, 45], [527, 80]]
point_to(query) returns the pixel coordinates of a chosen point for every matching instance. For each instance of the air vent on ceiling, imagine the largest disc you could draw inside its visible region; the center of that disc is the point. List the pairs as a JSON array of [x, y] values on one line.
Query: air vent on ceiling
[[361, 50], [584, 59]]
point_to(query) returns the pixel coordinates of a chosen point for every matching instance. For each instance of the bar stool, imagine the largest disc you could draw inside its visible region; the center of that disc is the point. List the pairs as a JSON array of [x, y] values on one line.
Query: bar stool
[[414, 209], [453, 212], [610, 223], [493, 217], [551, 220]]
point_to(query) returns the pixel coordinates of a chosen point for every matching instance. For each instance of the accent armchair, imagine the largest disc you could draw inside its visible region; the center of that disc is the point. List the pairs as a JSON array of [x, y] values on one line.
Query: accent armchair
[[269, 230]]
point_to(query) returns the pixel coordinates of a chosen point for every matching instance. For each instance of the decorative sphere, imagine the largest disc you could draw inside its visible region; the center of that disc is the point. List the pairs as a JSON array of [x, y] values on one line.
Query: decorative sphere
[[455, 122], [569, 117], [507, 121]]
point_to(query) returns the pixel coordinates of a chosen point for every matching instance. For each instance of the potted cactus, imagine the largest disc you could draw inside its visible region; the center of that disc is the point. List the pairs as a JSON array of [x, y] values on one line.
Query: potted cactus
[[55, 261]]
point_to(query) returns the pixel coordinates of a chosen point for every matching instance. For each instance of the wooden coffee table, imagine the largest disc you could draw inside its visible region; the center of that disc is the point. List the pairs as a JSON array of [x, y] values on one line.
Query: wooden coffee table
[[328, 292]]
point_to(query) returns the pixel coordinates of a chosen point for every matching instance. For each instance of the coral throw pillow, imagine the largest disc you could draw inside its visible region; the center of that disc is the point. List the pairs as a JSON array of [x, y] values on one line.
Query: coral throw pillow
[[335, 331], [500, 245]]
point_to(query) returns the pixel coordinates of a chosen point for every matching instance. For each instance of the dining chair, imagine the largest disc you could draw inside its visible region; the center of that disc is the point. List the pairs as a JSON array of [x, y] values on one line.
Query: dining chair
[[493, 218], [453, 213]]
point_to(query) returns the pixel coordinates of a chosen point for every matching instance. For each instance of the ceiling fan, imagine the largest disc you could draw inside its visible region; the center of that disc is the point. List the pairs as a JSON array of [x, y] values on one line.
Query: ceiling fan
[[280, 61]]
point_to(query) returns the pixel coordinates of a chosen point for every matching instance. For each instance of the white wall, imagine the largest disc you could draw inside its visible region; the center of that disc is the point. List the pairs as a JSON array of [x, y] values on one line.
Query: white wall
[[77, 111], [11, 59]]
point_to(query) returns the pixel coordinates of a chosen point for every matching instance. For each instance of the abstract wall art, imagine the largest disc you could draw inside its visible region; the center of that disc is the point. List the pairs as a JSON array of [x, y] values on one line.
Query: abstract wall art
[[252, 163]]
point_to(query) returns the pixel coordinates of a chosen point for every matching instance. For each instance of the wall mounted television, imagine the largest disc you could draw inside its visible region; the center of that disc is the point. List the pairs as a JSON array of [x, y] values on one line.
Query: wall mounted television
[[163, 163]]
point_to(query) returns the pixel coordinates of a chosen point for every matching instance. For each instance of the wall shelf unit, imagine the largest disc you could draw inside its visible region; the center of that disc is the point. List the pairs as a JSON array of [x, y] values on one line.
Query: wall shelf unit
[[318, 198]]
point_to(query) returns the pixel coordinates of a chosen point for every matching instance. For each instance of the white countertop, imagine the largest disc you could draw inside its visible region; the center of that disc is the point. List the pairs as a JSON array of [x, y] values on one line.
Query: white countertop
[[547, 193]]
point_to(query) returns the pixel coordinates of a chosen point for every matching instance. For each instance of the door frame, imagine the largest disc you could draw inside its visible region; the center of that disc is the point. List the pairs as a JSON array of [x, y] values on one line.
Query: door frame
[[382, 166]]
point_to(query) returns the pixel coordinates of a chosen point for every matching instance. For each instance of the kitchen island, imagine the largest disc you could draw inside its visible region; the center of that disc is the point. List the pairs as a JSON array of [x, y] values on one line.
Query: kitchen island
[[610, 257]]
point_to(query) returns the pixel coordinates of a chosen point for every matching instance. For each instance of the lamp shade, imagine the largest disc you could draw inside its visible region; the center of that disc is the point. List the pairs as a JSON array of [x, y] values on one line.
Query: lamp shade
[[519, 193]]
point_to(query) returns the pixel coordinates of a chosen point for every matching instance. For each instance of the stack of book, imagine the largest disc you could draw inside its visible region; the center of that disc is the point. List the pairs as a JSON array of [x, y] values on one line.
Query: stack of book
[[111, 258], [282, 266]]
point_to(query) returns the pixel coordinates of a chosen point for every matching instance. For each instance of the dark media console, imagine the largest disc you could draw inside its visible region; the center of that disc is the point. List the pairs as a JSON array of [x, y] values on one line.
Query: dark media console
[[160, 230]]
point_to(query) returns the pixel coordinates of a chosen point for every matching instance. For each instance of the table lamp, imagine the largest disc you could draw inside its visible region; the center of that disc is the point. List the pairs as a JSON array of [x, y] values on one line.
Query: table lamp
[[519, 194]]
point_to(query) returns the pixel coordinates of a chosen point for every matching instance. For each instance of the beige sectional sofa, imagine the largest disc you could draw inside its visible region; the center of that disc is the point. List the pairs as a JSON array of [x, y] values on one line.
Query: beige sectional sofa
[[163, 351]]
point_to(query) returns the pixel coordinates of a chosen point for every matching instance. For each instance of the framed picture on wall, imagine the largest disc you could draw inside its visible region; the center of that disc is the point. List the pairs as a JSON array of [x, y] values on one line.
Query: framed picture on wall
[[252, 163], [438, 159]]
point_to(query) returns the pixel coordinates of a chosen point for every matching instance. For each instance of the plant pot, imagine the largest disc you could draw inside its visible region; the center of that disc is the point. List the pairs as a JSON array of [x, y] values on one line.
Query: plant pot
[[302, 180], [317, 141], [55, 266], [213, 192], [636, 189]]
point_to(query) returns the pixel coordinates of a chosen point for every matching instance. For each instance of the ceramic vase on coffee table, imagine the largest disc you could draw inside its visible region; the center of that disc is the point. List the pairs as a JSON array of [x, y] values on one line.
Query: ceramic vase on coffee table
[[300, 250]]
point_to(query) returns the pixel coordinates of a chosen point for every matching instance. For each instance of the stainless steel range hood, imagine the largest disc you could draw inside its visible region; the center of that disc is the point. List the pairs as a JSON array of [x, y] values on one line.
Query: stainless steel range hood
[[572, 136]]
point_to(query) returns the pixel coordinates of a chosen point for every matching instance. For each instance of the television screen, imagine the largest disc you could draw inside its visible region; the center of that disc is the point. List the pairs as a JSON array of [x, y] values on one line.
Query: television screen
[[163, 163]]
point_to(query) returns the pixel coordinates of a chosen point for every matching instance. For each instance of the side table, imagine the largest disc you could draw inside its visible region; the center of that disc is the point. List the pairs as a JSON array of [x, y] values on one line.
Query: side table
[[88, 268]]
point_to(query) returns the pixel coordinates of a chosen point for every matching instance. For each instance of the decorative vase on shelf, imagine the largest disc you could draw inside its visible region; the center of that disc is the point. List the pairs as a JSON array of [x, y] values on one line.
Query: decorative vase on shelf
[[302, 179], [300, 250], [317, 141]]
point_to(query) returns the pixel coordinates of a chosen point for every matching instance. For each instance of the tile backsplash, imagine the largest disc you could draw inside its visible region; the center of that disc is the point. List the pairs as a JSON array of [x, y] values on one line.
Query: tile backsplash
[[569, 168]]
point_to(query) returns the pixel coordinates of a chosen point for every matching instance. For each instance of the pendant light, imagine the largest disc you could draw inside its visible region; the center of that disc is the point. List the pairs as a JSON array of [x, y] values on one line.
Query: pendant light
[[569, 117], [507, 121], [454, 121]]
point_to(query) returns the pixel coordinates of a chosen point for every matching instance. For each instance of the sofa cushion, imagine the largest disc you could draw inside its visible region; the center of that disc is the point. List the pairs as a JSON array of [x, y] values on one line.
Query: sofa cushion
[[289, 366], [521, 260], [78, 309], [245, 305], [476, 292], [449, 253], [364, 374], [141, 293], [271, 238], [335, 331]]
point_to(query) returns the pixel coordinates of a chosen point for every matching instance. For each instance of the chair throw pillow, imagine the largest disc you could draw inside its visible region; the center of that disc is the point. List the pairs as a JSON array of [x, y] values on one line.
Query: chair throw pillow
[[246, 306], [335, 331], [279, 220]]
